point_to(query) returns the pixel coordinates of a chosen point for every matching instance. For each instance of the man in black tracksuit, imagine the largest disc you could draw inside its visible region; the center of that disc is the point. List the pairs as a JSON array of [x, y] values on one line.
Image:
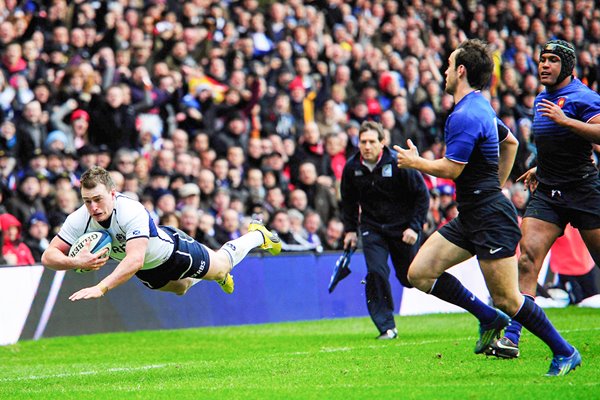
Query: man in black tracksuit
[[389, 205]]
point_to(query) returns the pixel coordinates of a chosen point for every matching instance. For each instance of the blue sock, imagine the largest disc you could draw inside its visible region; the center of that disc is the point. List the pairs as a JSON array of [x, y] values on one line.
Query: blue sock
[[448, 288], [532, 317], [513, 331]]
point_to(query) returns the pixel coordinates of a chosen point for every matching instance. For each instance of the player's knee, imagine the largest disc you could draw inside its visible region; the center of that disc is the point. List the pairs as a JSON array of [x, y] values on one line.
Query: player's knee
[[221, 262], [219, 274], [180, 288]]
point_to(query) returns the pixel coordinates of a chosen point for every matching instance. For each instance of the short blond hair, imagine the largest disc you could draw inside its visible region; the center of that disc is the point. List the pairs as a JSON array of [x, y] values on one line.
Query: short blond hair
[[96, 175]]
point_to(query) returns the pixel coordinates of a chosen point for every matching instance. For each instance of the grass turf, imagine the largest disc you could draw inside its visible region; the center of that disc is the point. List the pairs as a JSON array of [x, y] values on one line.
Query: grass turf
[[329, 359]]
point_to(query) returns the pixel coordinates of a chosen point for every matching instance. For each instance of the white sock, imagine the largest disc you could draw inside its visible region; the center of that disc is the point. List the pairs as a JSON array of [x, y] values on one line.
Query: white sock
[[238, 248]]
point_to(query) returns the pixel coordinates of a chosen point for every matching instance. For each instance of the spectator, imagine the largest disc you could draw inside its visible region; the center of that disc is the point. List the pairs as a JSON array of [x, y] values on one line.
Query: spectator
[[14, 250], [298, 200], [278, 119], [169, 218], [221, 202], [77, 130], [312, 149], [206, 183], [290, 241], [27, 200], [333, 239], [206, 225], [335, 147], [104, 160], [31, 131], [37, 235], [313, 232], [229, 229], [189, 196], [112, 122], [320, 197], [254, 185]]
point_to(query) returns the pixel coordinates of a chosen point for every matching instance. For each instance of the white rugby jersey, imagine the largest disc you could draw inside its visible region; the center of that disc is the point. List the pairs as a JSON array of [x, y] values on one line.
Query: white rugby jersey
[[129, 220]]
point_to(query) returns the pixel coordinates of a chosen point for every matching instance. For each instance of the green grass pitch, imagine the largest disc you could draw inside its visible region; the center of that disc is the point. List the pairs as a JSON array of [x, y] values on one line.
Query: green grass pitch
[[329, 359]]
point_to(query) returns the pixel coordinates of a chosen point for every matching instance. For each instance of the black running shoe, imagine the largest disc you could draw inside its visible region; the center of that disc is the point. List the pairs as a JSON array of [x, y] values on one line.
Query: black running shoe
[[503, 348]]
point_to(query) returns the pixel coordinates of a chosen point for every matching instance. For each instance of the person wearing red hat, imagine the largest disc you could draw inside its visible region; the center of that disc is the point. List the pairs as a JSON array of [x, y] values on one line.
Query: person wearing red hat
[[77, 130], [15, 252]]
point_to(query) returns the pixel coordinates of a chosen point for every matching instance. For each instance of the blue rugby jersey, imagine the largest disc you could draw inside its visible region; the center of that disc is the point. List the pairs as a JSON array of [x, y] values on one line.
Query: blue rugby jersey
[[472, 138], [564, 158]]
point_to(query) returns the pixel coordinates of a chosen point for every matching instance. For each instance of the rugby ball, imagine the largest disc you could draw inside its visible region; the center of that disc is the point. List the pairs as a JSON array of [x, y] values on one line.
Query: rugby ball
[[98, 240]]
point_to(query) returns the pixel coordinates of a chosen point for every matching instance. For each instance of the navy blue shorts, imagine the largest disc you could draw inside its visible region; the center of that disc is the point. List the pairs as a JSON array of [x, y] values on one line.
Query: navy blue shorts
[[190, 259], [579, 206], [490, 231]]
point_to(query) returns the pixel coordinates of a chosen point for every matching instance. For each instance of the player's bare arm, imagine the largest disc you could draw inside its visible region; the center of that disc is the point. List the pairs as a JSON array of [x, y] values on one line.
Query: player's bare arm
[[508, 153], [56, 258], [132, 263], [587, 130], [442, 168]]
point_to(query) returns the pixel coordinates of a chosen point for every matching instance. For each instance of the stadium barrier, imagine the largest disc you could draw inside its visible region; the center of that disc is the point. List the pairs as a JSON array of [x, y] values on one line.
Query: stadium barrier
[[291, 287]]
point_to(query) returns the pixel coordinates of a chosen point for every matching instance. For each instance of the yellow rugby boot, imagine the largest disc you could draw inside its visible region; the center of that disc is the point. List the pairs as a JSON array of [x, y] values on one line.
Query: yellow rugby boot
[[272, 244], [227, 284]]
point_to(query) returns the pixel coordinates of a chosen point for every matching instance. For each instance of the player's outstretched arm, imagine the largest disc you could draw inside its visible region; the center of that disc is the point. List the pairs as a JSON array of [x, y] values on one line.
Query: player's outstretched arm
[[133, 262], [442, 168]]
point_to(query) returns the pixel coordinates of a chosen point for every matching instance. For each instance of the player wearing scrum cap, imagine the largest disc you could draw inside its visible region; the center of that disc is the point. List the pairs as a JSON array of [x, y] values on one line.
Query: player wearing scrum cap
[[565, 183]]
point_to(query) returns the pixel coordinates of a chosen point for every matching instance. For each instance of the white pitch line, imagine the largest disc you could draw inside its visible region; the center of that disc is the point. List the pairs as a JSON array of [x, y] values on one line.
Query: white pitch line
[[334, 349], [84, 373], [414, 343]]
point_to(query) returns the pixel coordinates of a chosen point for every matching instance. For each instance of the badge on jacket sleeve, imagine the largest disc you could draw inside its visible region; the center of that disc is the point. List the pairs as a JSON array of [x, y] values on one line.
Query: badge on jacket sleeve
[[386, 172]]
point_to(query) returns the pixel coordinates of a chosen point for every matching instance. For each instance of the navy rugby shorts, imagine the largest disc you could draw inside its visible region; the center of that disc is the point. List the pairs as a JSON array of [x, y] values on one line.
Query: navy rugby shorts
[[490, 231], [190, 259], [579, 206]]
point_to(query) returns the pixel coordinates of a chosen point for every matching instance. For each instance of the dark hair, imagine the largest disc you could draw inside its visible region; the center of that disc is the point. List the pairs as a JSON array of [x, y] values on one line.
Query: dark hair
[[371, 126], [475, 55], [96, 175]]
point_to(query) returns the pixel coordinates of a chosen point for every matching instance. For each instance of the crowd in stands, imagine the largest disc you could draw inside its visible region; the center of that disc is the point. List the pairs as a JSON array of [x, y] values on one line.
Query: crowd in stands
[[211, 111]]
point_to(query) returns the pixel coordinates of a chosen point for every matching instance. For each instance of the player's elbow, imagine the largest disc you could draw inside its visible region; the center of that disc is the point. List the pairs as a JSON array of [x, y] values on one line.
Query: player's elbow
[[452, 174], [47, 261], [136, 262]]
